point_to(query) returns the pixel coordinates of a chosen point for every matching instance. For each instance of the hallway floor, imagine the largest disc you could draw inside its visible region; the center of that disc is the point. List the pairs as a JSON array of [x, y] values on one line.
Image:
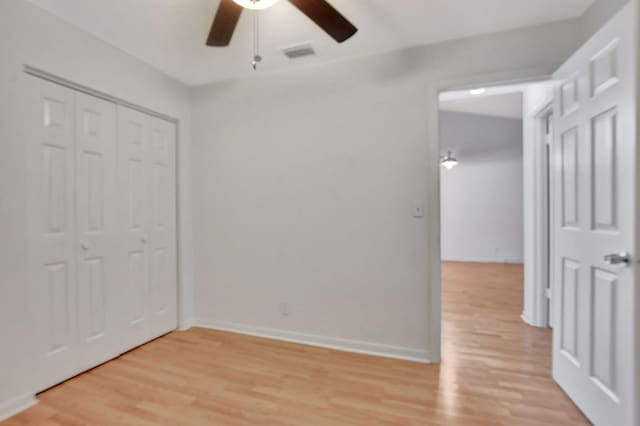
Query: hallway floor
[[496, 371]]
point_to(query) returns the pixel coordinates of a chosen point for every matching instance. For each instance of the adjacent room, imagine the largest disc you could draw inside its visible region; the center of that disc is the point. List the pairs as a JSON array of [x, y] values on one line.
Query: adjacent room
[[319, 212], [482, 197]]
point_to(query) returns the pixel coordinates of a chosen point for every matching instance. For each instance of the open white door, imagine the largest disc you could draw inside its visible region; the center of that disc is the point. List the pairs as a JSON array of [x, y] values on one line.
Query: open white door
[[594, 215]]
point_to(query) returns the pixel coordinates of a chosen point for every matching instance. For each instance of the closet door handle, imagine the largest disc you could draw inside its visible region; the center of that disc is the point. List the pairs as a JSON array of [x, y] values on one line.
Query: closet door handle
[[144, 239], [84, 246]]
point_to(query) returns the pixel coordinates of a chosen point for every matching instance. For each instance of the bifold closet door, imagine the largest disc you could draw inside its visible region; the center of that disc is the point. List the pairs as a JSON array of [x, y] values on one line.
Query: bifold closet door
[[52, 240], [147, 221], [73, 230], [102, 235], [98, 283], [161, 245]]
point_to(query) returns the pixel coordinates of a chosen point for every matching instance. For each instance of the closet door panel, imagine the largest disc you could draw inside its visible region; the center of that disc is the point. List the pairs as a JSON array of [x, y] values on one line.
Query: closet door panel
[[96, 230], [50, 192], [133, 141], [162, 219], [102, 238]]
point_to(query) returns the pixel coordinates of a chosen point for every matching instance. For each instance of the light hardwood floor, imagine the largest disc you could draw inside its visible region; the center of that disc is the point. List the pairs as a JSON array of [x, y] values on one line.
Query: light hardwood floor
[[496, 371]]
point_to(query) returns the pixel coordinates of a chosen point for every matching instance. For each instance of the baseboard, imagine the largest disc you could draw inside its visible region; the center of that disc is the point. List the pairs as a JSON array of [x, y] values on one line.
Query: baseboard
[[186, 324], [347, 345], [13, 406], [526, 319], [532, 323], [484, 260]]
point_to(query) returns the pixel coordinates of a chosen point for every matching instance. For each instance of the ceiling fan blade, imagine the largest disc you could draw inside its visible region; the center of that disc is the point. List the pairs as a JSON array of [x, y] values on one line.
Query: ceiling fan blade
[[224, 23], [327, 17]]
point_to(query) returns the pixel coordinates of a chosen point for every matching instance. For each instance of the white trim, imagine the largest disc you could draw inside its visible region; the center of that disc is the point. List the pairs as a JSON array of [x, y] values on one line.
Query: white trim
[[527, 320], [484, 260], [346, 345], [187, 324], [61, 81], [539, 215], [14, 406], [499, 78]]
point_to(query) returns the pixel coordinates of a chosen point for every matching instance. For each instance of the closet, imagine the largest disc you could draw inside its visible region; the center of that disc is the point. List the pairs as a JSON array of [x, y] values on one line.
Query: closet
[[102, 236]]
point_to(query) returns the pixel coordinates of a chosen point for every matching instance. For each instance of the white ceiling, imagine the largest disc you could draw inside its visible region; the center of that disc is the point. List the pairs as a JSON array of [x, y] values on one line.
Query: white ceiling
[[170, 34], [497, 101], [507, 105]]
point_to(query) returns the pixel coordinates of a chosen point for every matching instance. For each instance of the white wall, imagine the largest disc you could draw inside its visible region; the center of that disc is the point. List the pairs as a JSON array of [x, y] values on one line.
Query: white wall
[[481, 199], [598, 14], [305, 182], [31, 36]]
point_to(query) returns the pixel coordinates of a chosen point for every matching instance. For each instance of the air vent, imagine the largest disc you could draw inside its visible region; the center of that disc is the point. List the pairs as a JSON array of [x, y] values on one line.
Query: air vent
[[299, 51]]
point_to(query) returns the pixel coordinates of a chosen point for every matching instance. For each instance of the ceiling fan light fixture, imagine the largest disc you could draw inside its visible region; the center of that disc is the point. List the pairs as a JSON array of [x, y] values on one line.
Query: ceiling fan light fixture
[[256, 4], [448, 161], [478, 91]]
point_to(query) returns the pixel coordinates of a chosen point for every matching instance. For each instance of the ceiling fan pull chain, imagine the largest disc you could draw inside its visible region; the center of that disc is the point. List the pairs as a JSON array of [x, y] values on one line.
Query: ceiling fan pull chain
[[256, 41]]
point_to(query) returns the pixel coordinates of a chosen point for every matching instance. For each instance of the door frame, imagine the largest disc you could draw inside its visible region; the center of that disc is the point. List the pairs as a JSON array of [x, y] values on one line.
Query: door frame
[[182, 322], [540, 259], [537, 251], [433, 229]]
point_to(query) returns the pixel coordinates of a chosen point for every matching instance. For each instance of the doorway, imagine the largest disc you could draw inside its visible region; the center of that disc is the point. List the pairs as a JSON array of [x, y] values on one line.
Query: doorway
[[494, 192]]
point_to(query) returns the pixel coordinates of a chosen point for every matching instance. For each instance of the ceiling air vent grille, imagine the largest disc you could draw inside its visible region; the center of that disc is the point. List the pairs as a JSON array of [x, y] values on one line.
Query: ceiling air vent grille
[[299, 51]]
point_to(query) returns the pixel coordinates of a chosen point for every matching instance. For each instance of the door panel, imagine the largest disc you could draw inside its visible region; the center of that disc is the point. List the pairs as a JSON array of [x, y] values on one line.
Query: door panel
[[51, 178], [570, 178], [96, 230], [603, 345], [594, 181], [133, 138], [603, 168], [569, 325], [162, 242], [147, 155]]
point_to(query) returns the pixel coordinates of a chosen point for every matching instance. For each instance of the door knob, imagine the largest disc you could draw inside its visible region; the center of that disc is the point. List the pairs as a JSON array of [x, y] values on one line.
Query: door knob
[[84, 246], [143, 239], [618, 259]]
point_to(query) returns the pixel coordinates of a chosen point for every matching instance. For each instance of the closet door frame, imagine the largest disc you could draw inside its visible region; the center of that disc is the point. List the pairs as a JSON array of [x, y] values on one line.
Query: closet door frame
[[43, 377]]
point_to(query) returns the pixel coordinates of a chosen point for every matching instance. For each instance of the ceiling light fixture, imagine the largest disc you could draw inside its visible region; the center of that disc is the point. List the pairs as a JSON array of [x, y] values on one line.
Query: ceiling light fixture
[[480, 91], [256, 4], [448, 161]]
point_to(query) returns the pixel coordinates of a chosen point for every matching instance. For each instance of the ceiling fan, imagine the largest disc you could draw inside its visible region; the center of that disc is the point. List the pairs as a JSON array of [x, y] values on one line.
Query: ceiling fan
[[319, 11]]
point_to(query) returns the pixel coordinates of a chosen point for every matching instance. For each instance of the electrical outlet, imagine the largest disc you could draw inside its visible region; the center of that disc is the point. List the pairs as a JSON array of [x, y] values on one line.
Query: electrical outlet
[[284, 309]]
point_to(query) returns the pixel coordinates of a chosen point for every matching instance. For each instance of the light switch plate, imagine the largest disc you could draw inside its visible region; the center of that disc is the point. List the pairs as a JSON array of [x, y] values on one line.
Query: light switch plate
[[418, 209]]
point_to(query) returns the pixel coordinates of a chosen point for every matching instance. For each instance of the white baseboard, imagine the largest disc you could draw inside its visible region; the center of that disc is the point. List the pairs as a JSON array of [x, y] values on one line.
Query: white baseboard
[[13, 406], [347, 345], [186, 324], [526, 319], [483, 260]]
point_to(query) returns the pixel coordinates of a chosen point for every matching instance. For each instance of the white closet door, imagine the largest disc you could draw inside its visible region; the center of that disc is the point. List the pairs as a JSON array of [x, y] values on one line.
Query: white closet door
[[162, 233], [102, 235], [96, 230], [52, 243], [133, 137], [147, 188]]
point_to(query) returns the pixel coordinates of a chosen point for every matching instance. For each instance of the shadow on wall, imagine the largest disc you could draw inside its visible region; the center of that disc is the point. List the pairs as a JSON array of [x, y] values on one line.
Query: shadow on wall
[[476, 138]]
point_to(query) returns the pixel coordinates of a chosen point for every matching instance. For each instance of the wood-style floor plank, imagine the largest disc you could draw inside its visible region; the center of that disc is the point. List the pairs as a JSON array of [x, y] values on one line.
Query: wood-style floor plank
[[496, 371]]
